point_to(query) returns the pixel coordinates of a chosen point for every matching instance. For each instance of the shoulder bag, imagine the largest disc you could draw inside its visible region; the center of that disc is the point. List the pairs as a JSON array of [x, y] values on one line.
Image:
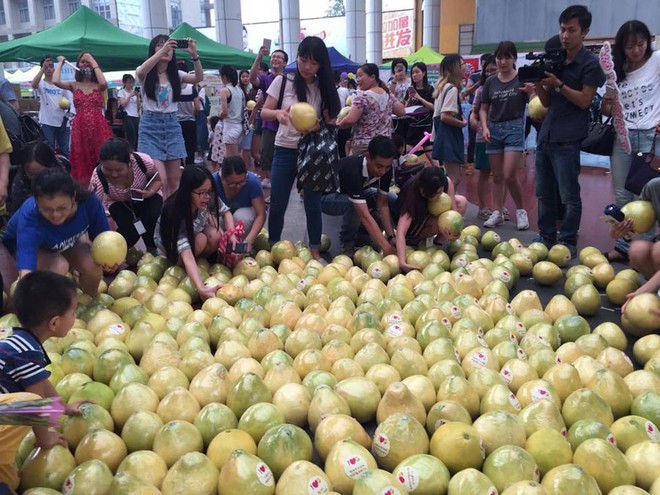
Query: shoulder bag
[[643, 168], [600, 137]]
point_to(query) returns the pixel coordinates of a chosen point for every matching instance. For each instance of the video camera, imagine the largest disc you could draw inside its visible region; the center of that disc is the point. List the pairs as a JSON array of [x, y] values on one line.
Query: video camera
[[550, 61]]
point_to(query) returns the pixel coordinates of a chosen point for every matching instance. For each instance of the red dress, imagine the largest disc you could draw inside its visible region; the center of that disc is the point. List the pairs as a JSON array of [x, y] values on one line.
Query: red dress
[[88, 132]]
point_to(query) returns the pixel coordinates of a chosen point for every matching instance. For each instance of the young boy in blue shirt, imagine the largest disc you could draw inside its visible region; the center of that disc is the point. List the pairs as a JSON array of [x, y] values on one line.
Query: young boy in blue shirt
[[45, 304]]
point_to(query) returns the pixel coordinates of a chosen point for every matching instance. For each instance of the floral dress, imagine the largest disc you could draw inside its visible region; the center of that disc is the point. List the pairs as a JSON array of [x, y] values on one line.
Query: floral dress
[[376, 118], [88, 132]]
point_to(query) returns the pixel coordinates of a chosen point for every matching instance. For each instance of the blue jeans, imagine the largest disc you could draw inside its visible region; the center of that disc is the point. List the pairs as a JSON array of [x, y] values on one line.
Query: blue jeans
[[558, 169], [284, 172], [58, 137]]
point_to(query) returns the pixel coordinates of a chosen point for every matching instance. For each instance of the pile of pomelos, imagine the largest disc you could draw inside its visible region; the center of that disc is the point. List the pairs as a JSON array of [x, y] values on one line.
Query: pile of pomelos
[[300, 378]]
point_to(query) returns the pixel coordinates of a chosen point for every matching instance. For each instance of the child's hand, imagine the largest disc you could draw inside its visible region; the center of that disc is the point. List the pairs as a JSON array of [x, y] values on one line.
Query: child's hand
[[621, 229], [75, 408], [206, 291], [49, 439], [406, 267]]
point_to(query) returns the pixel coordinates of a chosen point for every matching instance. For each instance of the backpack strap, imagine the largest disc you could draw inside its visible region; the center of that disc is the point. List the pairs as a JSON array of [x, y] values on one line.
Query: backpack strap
[[281, 98], [102, 179], [140, 162]]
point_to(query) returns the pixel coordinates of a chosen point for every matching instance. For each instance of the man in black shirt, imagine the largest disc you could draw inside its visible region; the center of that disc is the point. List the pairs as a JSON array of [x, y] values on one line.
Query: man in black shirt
[[564, 127], [363, 180]]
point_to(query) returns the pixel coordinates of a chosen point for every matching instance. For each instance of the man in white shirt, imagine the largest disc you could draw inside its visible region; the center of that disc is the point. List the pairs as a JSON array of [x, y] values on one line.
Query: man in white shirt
[[52, 116]]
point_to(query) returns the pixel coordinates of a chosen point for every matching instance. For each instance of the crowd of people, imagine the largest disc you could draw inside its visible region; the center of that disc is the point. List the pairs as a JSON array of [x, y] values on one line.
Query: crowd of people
[[148, 184]]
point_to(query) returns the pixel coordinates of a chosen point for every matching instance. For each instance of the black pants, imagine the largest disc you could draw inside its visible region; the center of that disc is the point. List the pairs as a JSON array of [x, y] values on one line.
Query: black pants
[[146, 211], [131, 125], [189, 131]]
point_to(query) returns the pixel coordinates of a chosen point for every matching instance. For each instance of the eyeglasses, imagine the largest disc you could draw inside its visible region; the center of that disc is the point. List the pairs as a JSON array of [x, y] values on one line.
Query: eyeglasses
[[58, 210], [203, 193], [235, 184]]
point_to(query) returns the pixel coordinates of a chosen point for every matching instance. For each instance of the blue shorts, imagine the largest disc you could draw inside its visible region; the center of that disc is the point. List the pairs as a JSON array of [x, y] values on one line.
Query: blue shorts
[[480, 158], [506, 136], [246, 141], [161, 137]]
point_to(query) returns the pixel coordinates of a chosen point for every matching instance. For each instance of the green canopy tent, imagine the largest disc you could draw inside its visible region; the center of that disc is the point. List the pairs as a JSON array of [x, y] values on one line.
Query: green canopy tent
[[212, 54], [424, 54], [84, 30]]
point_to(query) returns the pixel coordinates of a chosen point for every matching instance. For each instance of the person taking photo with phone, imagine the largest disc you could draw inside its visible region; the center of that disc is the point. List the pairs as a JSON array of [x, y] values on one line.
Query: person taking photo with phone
[[160, 133], [129, 100], [129, 186]]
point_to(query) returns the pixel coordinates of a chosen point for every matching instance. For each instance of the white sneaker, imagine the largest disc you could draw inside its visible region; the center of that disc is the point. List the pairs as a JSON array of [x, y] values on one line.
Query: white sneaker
[[505, 214], [265, 183], [522, 220], [494, 220]]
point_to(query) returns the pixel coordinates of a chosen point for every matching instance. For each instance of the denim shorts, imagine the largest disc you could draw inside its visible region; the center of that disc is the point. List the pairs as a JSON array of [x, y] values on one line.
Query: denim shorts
[[506, 136], [480, 158], [161, 137], [246, 140]]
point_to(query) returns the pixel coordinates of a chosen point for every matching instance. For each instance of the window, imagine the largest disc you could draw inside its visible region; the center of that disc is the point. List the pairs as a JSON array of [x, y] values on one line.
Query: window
[[73, 6], [49, 10], [23, 11], [465, 38], [3, 18], [175, 12], [102, 8]]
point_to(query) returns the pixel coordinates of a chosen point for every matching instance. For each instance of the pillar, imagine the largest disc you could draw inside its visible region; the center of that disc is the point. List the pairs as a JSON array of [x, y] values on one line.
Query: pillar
[[431, 9], [374, 40], [355, 30], [290, 27], [154, 16], [229, 23]]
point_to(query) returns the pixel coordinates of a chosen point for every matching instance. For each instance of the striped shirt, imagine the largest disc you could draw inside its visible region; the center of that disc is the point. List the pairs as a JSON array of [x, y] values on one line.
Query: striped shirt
[[23, 361]]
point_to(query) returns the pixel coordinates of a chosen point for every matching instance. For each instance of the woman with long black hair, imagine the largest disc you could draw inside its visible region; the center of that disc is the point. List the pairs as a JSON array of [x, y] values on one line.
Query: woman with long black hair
[[160, 133], [313, 83]]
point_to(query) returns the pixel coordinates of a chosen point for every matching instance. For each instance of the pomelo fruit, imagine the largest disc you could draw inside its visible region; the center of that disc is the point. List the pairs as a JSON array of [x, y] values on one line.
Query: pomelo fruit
[[46, 468], [377, 481], [525, 488], [124, 483], [639, 318], [509, 464], [546, 273], [192, 473], [631, 430], [245, 472], [130, 399], [617, 290], [226, 442], [499, 428], [647, 405], [570, 478], [585, 404], [140, 430], [423, 474], [91, 477], [613, 390], [109, 249], [345, 463], [175, 439], [259, 418], [605, 463], [549, 448], [93, 417], [641, 213], [302, 478], [303, 116], [451, 221], [397, 438], [644, 458], [104, 446], [536, 109], [335, 428], [362, 397], [470, 481], [586, 300], [282, 445], [440, 205], [146, 465], [585, 429], [458, 446], [490, 239]]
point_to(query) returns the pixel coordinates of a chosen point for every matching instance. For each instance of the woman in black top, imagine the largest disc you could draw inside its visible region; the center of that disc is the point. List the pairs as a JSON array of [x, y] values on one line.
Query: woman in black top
[[420, 93]]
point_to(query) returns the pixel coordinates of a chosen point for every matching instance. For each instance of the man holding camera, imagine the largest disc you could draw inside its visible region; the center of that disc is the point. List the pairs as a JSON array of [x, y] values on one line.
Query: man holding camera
[[567, 93]]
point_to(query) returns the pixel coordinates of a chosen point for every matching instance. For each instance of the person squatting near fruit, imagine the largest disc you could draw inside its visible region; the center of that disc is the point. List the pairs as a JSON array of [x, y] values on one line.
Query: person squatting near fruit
[[160, 134], [35, 157], [415, 223], [123, 182], [45, 304], [52, 230], [564, 127], [313, 83], [364, 184], [53, 106], [241, 191], [644, 254], [637, 68], [503, 130], [89, 128], [189, 225]]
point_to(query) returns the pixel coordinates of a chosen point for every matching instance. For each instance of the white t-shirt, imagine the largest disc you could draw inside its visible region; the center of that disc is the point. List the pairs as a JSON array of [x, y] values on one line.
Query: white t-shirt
[[50, 112], [164, 102], [447, 104], [132, 107], [287, 136], [640, 95]]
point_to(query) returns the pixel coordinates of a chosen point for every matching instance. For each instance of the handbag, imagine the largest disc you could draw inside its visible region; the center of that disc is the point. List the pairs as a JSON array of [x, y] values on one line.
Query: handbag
[[600, 137], [448, 145], [121, 113], [318, 155], [643, 168]]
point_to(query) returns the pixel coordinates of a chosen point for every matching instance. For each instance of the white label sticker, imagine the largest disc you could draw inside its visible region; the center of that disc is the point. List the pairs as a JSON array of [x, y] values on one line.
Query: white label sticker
[[479, 359], [496, 237], [265, 475], [610, 438], [482, 341], [513, 400], [409, 478], [317, 486], [652, 432], [394, 318], [116, 329], [446, 323], [492, 491], [509, 308], [482, 447], [522, 355], [540, 393], [354, 466], [461, 262], [507, 375], [439, 423], [5, 332], [394, 331], [381, 445], [68, 486], [505, 277], [455, 311], [537, 474], [390, 490]]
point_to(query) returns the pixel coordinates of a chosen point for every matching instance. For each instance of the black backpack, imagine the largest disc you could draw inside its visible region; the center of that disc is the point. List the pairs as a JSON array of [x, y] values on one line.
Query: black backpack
[[104, 181], [21, 129]]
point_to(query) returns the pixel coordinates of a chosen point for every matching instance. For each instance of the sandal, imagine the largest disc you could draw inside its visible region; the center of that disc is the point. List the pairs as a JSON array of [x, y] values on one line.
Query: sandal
[[615, 256]]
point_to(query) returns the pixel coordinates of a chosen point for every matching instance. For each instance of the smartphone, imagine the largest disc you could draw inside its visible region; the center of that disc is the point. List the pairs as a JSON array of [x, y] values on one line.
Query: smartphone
[[266, 44], [182, 44], [136, 195], [241, 247], [153, 177]]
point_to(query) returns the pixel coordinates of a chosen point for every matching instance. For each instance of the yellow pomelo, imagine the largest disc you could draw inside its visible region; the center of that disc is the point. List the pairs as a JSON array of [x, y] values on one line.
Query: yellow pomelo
[[605, 463], [549, 448], [192, 473], [644, 458], [509, 464], [458, 446], [570, 478]]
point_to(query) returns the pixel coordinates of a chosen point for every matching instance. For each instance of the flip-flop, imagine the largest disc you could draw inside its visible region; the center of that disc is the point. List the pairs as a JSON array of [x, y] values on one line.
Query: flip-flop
[[615, 256]]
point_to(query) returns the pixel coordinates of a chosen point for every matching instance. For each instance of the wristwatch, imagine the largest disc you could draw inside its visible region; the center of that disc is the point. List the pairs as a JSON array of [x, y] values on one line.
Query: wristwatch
[[558, 88]]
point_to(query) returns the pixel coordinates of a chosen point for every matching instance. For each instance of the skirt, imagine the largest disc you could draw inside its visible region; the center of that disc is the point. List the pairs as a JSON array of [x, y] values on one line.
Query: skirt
[[161, 137]]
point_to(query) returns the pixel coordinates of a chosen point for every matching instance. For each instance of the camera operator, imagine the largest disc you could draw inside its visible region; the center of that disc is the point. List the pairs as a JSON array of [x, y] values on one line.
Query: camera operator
[[567, 94]]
